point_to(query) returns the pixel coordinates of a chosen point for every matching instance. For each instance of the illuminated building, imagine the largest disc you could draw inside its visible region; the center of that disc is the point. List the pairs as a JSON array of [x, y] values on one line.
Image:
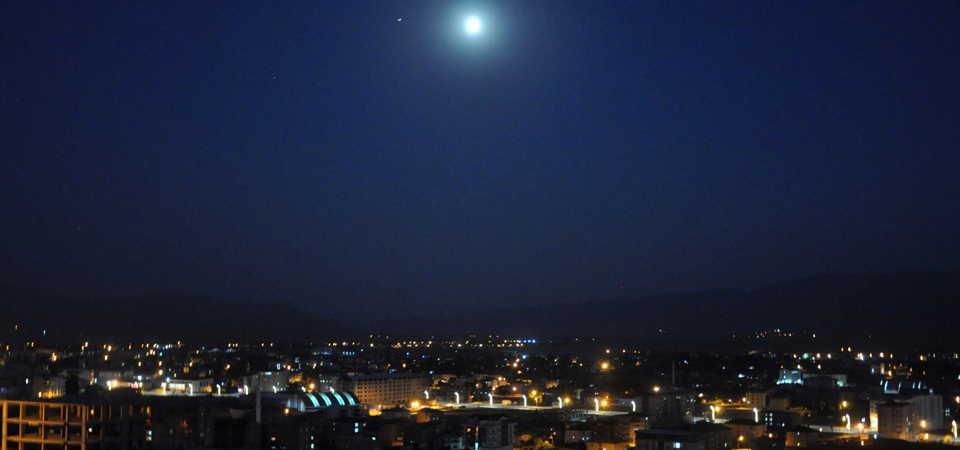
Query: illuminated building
[[386, 389], [757, 398], [73, 426]]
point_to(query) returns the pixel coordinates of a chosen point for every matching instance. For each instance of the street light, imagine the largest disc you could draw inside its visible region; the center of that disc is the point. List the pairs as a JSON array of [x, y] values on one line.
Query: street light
[[561, 402], [954, 426], [713, 413], [597, 401], [524, 401], [427, 393], [756, 415], [847, 418], [491, 399], [457, 395], [633, 403]]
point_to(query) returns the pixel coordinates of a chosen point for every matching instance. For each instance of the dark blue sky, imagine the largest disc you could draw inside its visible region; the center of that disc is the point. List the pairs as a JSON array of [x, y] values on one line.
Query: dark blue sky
[[370, 158]]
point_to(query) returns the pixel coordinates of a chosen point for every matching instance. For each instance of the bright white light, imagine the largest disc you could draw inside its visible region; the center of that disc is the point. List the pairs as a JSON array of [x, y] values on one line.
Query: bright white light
[[473, 25]]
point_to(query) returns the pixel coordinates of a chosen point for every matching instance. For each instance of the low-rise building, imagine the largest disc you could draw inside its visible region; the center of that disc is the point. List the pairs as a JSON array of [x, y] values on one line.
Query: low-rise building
[[654, 439], [746, 429]]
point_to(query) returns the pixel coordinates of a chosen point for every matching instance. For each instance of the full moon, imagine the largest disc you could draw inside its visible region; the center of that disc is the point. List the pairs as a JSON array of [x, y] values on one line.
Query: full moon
[[473, 25]]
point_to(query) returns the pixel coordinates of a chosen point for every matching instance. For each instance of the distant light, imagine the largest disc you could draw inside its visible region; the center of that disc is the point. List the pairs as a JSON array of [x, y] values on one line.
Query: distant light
[[473, 25]]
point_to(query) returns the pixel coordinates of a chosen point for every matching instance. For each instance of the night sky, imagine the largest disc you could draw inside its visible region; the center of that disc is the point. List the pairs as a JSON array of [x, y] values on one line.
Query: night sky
[[365, 159]]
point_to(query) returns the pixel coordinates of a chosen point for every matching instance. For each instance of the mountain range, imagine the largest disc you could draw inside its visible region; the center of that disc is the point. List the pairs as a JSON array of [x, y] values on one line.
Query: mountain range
[[908, 309]]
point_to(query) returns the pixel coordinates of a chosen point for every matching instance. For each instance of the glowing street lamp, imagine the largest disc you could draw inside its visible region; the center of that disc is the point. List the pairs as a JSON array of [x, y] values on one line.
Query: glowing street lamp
[[457, 396], [633, 403], [426, 393], [561, 402], [713, 413], [846, 417], [756, 415], [491, 399], [597, 401], [524, 401], [954, 426]]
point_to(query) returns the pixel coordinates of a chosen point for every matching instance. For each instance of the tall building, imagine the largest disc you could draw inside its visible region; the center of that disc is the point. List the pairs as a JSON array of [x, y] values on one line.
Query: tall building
[[669, 407], [898, 421], [488, 432], [930, 409], [85, 425]]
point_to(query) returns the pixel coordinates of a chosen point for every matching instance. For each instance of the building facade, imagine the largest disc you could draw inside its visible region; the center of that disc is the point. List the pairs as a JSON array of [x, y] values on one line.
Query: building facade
[[489, 432], [385, 389], [898, 421], [43, 425]]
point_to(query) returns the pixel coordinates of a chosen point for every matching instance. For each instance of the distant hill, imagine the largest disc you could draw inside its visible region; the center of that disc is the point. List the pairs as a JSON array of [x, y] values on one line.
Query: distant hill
[[160, 317], [904, 309]]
